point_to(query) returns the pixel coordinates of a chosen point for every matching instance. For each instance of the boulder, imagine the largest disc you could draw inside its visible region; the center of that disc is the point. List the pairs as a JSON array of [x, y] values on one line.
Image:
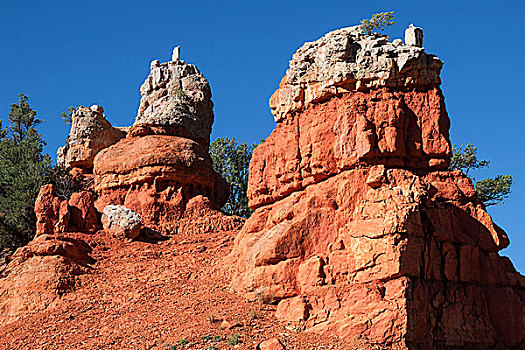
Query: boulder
[[121, 221], [270, 344], [90, 133]]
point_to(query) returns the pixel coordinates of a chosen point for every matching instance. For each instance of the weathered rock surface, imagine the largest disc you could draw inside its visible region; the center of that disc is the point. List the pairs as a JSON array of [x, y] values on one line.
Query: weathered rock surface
[[177, 97], [348, 60], [40, 273], [121, 221], [349, 99], [155, 176], [55, 214], [90, 133], [359, 230]]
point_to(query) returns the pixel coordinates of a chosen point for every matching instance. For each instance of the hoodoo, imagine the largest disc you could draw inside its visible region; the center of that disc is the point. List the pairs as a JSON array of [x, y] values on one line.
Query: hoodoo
[[153, 177], [360, 230]]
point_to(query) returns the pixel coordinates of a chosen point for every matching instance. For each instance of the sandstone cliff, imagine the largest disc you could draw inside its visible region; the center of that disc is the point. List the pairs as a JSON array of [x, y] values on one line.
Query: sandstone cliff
[[360, 230], [361, 237]]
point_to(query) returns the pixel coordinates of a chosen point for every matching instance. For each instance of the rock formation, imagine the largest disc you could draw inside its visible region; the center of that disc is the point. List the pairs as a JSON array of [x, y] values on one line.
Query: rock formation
[[90, 133], [359, 229], [164, 160], [176, 100], [39, 273], [156, 175]]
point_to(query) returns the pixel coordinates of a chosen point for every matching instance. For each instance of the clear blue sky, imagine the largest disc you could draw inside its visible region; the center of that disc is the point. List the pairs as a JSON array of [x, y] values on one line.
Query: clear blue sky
[[63, 53]]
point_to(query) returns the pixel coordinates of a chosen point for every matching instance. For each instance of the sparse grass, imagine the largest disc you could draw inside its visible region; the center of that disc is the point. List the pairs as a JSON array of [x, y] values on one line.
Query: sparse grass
[[233, 340], [207, 338], [252, 315], [218, 338], [180, 94]]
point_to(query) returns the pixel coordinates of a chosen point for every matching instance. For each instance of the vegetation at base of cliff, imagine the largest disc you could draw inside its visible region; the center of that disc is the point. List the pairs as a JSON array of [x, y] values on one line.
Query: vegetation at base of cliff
[[378, 21], [23, 170], [232, 160], [491, 191]]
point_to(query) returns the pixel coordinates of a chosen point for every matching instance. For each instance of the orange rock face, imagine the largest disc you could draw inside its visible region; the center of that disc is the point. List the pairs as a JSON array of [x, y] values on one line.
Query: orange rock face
[[40, 273], [360, 230], [155, 176]]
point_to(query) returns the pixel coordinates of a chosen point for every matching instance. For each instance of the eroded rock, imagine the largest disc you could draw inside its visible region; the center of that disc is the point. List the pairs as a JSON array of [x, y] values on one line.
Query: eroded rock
[[176, 98], [90, 133], [359, 229], [40, 273]]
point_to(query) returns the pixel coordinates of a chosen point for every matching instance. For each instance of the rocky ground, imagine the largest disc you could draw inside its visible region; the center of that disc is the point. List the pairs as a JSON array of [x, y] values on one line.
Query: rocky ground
[[147, 295]]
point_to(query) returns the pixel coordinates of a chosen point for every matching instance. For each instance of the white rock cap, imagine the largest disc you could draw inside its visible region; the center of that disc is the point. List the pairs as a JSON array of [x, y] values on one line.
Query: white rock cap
[[414, 36], [176, 53]]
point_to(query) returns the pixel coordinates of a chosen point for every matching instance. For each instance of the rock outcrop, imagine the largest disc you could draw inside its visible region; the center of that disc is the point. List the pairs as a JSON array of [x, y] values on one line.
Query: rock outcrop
[[90, 133], [349, 99], [176, 100], [40, 273], [154, 168], [55, 214], [155, 178], [359, 229], [163, 162]]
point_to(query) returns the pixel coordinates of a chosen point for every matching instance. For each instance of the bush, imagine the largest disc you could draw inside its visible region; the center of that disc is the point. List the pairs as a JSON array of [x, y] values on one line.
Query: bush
[[233, 340], [491, 191]]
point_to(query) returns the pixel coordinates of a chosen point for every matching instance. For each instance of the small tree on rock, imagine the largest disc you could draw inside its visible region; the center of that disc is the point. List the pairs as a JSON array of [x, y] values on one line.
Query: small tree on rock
[[491, 191], [378, 21]]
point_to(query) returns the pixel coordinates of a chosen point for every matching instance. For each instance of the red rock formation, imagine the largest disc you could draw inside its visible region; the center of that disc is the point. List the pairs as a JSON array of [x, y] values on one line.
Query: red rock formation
[[55, 214], [359, 230], [155, 176], [40, 273]]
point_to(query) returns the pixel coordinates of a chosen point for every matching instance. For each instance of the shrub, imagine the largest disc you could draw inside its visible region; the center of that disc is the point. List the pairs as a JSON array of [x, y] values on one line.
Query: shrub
[[233, 340], [379, 21]]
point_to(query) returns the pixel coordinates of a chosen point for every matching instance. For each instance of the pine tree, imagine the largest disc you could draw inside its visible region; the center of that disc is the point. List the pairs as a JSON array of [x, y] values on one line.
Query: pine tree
[[23, 170], [232, 160]]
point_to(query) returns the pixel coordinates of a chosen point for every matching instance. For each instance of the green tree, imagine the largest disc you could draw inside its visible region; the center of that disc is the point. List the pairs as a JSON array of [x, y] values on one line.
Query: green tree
[[379, 21], [491, 191], [68, 115], [232, 160], [23, 170]]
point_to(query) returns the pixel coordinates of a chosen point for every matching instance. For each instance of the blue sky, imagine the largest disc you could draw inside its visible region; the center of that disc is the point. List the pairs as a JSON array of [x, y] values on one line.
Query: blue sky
[[63, 53]]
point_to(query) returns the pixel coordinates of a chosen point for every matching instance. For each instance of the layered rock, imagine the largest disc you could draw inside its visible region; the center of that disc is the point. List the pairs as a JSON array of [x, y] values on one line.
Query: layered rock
[[349, 99], [154, 176], [163, 162], [360, 230], [90, 133]]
